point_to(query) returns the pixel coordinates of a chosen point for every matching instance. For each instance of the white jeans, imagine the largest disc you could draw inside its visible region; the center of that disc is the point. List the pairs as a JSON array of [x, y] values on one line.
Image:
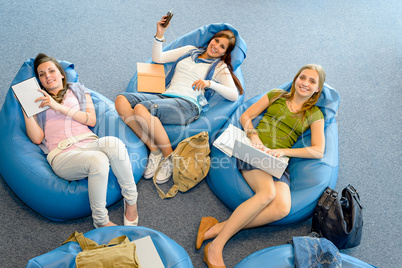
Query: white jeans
[[92, 161]]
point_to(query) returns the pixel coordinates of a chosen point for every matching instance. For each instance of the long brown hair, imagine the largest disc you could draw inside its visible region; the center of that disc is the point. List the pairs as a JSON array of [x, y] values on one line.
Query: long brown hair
[[227, 57], [307, 105], [41, 58]]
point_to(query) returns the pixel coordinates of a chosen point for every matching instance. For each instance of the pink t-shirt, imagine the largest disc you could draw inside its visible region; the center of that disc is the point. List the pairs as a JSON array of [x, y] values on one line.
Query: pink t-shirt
[[60, 127]]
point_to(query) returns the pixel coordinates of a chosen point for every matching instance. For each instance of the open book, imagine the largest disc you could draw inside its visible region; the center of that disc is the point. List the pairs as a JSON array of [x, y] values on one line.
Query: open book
[[234, 142], [26, 93]]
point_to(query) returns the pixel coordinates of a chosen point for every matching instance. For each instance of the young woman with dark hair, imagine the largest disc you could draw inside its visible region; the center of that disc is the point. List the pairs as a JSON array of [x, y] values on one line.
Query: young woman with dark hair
[[194, 70]]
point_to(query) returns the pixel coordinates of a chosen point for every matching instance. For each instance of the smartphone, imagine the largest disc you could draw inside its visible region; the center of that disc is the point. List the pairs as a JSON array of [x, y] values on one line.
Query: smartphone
[[169, 16]]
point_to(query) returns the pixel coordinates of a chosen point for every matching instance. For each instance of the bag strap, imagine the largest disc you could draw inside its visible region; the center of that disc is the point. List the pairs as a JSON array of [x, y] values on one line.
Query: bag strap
[[174, 156], [330, 200], [175, 188], [330, 197], [354, 193], [85, 243], [324, 196], [119, 240]]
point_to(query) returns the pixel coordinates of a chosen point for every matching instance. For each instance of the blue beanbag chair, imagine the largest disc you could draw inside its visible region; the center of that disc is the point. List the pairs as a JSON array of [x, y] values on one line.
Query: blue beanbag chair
[[308, 177], [24, 167], [220, 108], [171, 253], [282, 256]]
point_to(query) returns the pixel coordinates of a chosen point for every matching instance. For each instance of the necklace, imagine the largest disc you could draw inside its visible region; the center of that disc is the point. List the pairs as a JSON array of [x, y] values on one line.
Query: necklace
[[291, 107], [278, 118]]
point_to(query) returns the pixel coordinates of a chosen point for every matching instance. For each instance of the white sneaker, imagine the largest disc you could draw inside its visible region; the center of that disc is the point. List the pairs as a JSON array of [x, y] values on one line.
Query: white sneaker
[[154, 159], [165, 172]]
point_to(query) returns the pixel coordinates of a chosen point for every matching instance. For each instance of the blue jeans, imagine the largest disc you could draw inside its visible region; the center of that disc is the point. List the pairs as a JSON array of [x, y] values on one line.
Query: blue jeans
[[170, 111], [310, 251]]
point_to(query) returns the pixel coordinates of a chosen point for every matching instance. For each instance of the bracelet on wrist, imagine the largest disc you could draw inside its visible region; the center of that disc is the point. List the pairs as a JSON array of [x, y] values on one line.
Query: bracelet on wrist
[[159, 39], [251, 132]]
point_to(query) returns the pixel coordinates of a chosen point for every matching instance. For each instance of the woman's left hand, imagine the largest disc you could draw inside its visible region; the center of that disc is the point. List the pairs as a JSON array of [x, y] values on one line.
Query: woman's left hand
[[276, 152], [201, 84]]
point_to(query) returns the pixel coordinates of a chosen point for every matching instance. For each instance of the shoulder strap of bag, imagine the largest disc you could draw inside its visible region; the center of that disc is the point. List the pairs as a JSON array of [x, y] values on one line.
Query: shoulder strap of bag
[[354, 193], [85, 243], [175, 188], [325, 204], [119, 240]]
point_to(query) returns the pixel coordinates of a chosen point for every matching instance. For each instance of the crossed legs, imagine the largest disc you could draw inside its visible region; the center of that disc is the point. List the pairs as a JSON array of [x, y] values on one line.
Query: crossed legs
[[271, 202], [147, 127]]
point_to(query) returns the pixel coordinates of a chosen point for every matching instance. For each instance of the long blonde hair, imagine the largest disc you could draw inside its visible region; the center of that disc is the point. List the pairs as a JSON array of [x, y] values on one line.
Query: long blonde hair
[[307, 105], [41, 58]]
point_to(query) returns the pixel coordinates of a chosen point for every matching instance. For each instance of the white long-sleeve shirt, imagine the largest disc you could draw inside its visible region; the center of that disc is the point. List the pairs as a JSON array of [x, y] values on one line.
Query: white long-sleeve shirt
[[187, 72]]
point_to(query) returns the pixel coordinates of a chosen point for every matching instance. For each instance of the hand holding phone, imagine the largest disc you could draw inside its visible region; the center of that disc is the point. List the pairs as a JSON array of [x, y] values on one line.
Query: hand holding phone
[[169, 16]]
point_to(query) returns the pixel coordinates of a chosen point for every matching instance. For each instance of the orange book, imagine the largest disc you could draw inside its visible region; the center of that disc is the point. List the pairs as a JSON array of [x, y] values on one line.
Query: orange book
[[150, 78]]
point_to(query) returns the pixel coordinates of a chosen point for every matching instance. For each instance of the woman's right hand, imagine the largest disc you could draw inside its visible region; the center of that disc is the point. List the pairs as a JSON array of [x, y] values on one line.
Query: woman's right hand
[[47, 100], [256, 142], [160, 30]]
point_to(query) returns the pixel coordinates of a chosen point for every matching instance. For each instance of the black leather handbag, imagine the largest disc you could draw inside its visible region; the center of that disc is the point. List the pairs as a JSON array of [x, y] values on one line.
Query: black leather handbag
[[340, 220]]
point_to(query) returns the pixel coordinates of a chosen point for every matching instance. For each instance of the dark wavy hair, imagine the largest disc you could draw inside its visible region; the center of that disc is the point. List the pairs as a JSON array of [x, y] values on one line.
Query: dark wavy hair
[[227, 57], [41, 58]]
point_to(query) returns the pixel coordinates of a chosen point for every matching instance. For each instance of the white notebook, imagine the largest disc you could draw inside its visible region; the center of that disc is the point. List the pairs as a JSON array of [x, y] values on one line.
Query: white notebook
[[260, 159], [147, 254], [225, 142], [234, 142], [26, 93]]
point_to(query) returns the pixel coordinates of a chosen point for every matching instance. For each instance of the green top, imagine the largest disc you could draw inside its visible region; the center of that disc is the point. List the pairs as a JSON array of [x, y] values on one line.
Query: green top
[[279, 127]]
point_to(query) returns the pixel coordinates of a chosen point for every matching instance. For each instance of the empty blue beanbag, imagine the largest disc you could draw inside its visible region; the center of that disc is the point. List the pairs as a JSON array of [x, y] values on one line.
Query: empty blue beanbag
[[282, 256], [171, 253], [308, 177], [24, 167], [220, 108]]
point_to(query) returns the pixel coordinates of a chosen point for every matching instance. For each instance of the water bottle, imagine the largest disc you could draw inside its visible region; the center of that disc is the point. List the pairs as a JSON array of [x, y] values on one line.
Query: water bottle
[[203, 103]]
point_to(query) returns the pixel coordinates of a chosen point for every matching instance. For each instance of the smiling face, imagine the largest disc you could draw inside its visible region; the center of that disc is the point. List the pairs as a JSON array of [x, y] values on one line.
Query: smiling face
[[307, 83], [50, 77], [217, 47]]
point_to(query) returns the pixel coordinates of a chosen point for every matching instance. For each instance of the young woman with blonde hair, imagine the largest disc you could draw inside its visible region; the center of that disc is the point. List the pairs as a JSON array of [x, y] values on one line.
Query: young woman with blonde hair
[[287, 116]]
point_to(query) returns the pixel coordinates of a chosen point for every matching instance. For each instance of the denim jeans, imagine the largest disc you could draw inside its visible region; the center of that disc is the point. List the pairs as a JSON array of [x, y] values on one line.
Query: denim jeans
[[92, 161], [315, 252], [169, 110]]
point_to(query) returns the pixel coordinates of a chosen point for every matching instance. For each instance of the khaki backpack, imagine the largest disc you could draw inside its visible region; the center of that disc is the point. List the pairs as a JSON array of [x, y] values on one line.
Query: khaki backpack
[[191, 164], [119, 252]]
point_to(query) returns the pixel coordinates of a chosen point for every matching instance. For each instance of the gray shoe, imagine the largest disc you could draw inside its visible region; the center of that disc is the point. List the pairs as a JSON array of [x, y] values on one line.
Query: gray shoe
[[165, 172], [154, 159]]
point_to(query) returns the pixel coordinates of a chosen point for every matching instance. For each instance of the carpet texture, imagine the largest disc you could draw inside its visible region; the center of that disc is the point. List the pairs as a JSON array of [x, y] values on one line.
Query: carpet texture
[[358, 43]]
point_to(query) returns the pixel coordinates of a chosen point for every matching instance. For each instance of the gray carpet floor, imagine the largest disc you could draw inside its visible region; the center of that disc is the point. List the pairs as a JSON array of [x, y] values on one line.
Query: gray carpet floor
[[358, 43]]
